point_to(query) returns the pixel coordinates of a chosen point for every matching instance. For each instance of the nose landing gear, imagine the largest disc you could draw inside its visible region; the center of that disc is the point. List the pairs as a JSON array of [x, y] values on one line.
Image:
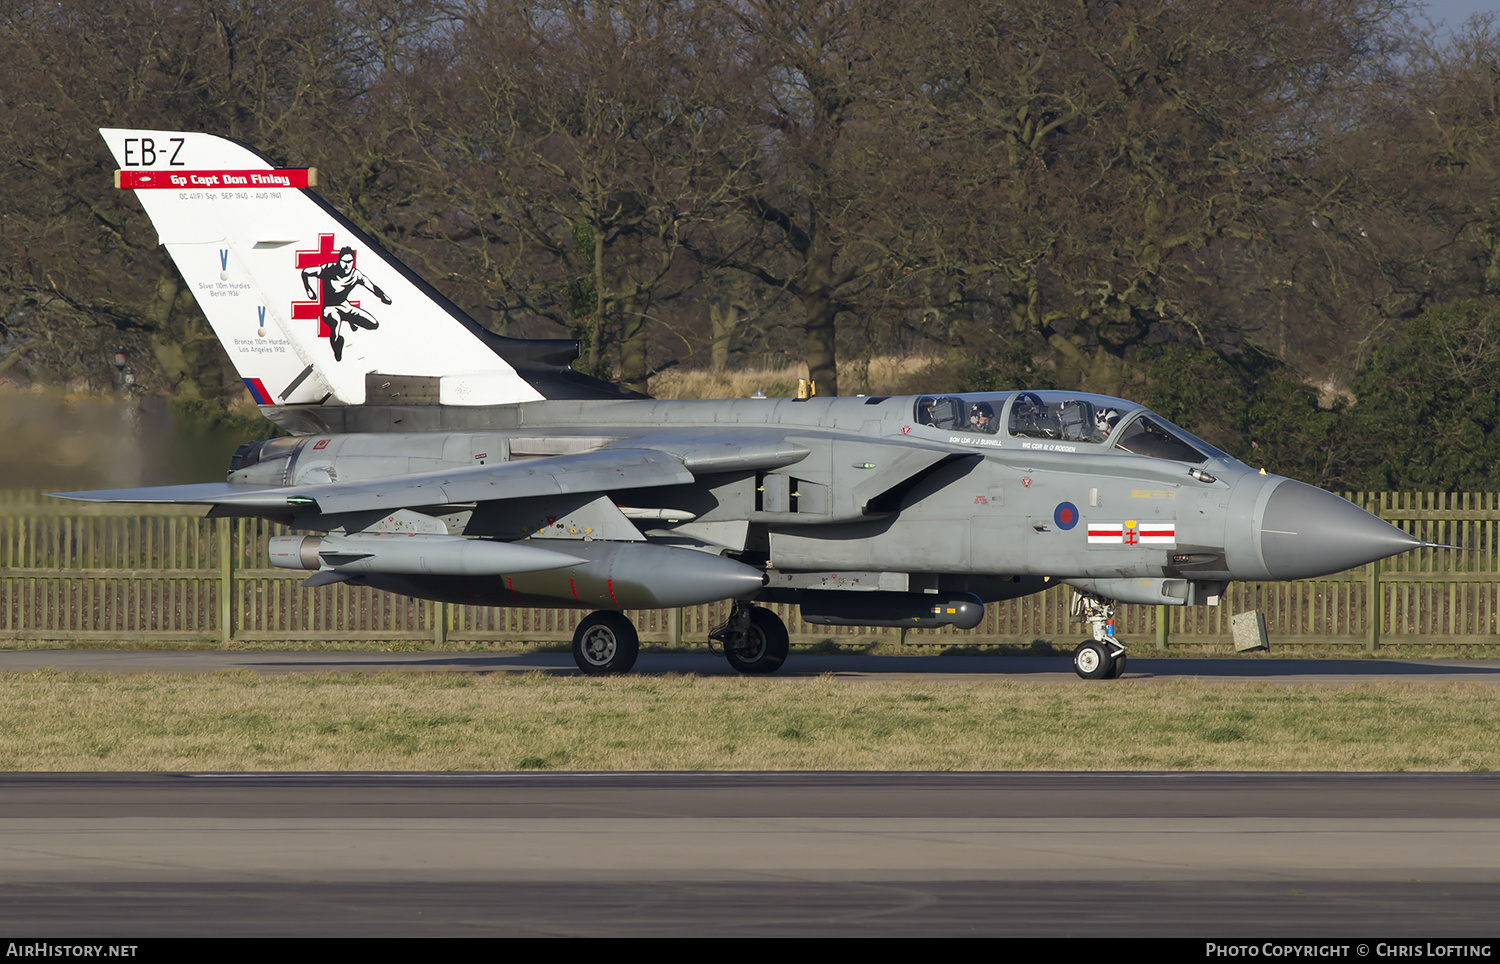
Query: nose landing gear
[[1103, 656]]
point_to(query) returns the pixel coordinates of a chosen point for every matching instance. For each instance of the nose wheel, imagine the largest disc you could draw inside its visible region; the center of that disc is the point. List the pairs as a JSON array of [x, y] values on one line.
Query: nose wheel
[[1103, 656], [1096, 660]]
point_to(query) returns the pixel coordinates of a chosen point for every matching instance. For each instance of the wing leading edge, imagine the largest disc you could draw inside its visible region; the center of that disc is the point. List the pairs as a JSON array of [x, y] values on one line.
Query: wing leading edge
[[602, 471]]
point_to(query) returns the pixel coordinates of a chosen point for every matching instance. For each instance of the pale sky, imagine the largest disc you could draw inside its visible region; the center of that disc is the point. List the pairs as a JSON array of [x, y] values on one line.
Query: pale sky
[[1455, 12]]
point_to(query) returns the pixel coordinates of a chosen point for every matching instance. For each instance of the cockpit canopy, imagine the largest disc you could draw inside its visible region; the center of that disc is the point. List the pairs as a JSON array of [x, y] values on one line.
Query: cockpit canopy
[[1074, 418]]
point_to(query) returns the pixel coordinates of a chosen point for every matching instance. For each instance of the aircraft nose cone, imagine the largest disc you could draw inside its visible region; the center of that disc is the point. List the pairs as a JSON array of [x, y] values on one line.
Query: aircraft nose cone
[[1308, 532]]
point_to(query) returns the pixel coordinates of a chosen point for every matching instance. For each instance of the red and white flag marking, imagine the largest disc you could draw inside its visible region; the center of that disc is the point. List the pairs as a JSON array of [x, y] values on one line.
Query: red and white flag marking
[[1132, 533]]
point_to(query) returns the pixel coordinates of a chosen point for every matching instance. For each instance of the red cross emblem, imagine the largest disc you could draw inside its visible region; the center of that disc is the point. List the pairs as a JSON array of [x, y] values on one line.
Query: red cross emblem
[[325, 253]]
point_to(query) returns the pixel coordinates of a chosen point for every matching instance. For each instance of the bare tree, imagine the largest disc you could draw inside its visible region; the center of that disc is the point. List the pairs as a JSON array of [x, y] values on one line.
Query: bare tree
[[83, 267], [575, 139], [1126, 164], [824, 83]]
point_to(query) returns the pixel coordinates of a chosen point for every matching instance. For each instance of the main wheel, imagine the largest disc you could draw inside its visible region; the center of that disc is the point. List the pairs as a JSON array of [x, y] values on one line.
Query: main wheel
[[605, 644], [764, 647], [1091, 660]]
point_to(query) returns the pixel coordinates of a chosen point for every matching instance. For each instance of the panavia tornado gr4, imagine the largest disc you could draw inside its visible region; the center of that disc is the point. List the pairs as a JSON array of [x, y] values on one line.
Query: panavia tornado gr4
[[433, 458]]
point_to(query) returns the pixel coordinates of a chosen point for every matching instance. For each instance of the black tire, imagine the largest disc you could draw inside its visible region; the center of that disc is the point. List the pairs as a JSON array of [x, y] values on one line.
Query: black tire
[[1092, 660], [1118, 669], [765, 647], [605, 644]]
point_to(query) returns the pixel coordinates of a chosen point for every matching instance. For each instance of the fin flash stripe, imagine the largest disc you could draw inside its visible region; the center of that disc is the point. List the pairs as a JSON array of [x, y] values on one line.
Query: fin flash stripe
[[258, 392]]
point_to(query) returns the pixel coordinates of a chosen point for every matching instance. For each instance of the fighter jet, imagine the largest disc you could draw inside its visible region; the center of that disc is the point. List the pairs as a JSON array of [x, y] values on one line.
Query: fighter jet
[[431, 457]]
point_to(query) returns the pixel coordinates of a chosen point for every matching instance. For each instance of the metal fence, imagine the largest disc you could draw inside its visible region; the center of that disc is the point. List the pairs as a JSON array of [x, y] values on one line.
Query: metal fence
[[73, 572]]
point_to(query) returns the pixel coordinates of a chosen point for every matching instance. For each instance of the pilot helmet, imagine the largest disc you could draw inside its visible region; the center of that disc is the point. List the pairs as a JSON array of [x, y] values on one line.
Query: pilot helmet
[[980, 410]]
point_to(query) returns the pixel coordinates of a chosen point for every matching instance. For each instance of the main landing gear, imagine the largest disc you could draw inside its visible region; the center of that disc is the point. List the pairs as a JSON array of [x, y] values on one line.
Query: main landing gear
[[753, 639], [605, 644], [1103, 656]]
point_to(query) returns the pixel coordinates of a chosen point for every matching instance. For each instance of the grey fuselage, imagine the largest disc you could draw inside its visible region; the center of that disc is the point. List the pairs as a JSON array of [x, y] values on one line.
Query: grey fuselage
[[870, 493]]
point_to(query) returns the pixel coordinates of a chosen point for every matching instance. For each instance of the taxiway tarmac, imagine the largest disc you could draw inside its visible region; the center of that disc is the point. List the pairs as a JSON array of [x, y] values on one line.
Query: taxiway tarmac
[[1054, 668], [1208, 855]]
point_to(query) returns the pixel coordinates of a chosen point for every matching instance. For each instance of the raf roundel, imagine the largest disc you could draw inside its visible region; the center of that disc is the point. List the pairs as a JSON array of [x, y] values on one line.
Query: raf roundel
[[1065, 515]]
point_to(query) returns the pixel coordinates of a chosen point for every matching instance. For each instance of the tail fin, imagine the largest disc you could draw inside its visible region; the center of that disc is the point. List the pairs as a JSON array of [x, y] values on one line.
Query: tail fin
[[310, 309]]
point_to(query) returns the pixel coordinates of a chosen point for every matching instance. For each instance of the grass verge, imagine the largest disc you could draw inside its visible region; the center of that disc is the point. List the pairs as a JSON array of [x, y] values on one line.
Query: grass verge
[[242, 721]]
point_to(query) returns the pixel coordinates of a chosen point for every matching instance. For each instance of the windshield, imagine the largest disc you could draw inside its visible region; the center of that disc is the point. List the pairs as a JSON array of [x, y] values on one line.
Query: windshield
[[1147, 436], [1154, 436]]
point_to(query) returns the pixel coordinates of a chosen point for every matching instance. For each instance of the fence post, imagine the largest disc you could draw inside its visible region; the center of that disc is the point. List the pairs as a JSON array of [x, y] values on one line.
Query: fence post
[[226, 581], [674, 627], [440, 614], [1373, 607], [1161, 627]]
